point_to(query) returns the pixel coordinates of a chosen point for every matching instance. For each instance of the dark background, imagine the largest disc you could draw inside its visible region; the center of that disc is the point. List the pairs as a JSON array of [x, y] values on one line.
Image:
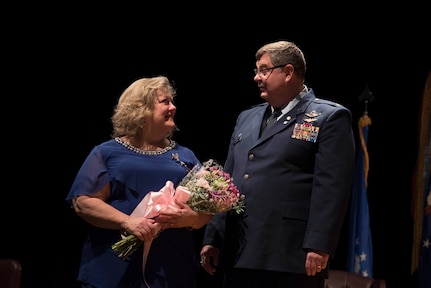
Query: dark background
[[64, 71]]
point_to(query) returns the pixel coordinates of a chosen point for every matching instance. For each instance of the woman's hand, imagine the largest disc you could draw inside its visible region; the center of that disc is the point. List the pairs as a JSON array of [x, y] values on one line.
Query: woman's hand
[[181, 215], [143, 228]]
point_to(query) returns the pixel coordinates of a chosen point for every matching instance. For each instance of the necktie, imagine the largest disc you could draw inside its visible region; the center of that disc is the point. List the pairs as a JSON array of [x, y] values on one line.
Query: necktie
[[271, 119]]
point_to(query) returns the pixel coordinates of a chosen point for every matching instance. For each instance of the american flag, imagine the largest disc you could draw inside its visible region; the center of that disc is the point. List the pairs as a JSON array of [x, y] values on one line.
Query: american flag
[[360, 248], [421, 192]]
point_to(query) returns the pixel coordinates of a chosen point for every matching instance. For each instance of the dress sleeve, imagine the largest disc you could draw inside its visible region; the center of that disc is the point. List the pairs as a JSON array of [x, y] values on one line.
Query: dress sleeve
[[91, 177]]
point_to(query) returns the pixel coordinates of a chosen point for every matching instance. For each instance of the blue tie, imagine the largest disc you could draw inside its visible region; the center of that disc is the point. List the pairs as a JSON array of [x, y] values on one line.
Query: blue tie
[[271, 119]]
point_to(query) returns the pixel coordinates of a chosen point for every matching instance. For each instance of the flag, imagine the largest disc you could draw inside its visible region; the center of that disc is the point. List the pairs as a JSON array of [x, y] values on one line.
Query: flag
[[421, 194], [425, 248], [360, 248]]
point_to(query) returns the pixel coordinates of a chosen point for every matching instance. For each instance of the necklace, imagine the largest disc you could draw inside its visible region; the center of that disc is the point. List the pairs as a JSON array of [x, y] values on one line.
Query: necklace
[[145, 152]]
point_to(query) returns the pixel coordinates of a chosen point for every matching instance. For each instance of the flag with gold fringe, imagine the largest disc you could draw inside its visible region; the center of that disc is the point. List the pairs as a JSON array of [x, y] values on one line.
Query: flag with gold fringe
[[421, 194], [360, 248]]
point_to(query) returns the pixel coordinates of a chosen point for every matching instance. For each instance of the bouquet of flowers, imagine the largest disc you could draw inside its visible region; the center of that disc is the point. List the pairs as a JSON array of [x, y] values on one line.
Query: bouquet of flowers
[[207, 188], [211, 189]]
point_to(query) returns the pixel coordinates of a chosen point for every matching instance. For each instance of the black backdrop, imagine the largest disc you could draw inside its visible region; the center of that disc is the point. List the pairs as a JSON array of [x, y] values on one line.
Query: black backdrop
[[68, 69]]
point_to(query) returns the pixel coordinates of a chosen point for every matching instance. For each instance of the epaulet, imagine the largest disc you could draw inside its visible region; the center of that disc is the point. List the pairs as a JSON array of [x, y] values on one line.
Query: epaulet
[[328, 102]]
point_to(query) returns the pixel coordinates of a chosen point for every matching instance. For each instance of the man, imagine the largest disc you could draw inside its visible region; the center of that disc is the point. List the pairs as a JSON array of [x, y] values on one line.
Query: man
[[296, 176]]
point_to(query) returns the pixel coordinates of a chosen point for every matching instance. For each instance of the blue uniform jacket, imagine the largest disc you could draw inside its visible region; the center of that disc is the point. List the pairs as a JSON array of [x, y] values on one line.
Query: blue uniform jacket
[[297, 178]]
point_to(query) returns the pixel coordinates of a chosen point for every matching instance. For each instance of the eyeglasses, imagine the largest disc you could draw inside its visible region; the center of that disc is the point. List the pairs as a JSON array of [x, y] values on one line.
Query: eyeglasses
[[265, 72]]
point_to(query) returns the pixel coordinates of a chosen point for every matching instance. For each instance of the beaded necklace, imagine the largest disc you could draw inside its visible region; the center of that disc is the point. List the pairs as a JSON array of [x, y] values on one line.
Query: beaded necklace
[[145, 152]]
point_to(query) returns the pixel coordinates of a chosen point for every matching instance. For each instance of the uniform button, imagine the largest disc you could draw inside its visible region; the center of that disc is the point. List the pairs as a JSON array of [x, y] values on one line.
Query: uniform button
[[246, 176], [251, 157]]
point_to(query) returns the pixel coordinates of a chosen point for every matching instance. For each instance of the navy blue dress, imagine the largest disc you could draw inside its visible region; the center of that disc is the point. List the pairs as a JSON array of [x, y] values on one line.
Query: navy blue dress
[[172, 260]]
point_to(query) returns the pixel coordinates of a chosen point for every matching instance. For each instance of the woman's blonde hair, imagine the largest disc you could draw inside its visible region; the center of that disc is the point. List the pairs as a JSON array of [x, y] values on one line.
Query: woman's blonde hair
[[137, 103]]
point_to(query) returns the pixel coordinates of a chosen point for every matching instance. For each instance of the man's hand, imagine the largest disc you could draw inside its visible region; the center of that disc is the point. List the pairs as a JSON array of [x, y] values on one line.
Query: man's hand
[[209, 258]]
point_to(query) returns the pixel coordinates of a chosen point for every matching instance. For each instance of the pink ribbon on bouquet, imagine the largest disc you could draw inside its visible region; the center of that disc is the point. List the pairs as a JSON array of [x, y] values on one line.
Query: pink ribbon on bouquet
[[153, 203]]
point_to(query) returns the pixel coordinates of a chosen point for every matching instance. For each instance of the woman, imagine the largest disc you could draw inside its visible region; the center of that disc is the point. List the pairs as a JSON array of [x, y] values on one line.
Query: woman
[[116, 176]]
